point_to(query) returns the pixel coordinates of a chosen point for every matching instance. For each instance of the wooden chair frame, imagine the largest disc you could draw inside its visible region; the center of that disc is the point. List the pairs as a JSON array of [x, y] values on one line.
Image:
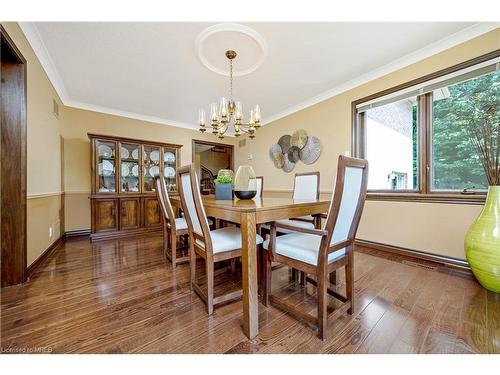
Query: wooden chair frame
[[323, 269], [206, 251], [170, 232]]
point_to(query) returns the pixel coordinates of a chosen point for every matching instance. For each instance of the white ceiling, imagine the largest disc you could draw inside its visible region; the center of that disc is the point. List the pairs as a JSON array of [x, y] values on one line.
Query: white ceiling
[[152, 71]]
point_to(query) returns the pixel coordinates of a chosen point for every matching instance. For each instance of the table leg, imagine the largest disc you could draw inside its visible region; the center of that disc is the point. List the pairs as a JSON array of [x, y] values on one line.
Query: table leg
[[249, 268]]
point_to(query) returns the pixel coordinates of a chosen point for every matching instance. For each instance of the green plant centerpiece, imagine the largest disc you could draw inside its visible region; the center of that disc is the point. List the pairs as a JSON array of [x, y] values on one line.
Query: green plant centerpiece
[[223, 188], [482, 242]]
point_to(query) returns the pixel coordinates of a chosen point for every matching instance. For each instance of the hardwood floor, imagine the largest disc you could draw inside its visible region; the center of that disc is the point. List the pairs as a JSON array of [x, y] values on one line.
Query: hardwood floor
[[118, 296]]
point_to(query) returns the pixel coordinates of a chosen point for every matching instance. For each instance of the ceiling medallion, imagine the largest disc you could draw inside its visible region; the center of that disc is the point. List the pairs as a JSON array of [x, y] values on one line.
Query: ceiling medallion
[[230, 113], [250, 44]]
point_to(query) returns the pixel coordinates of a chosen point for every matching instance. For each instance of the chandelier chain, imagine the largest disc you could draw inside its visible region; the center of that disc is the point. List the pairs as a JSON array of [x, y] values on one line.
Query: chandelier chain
[[231, 79]]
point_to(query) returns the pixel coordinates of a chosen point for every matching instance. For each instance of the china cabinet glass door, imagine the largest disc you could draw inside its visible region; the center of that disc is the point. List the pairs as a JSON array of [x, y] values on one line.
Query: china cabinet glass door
[[129, 172], [106, 166], [151, 166], [169, 171]]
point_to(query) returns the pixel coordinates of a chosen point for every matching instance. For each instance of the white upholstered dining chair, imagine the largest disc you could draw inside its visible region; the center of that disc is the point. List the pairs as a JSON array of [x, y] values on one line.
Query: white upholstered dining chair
[[172, 227], [319, 252], [212, 245], [305, 187]]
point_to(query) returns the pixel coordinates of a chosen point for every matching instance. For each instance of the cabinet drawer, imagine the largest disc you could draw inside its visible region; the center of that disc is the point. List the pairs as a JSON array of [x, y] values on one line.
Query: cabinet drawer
[[105, 215], [130, 213]]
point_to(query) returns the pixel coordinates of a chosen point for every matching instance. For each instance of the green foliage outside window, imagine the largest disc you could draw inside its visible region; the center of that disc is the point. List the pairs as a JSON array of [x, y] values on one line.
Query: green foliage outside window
[[456, 164]]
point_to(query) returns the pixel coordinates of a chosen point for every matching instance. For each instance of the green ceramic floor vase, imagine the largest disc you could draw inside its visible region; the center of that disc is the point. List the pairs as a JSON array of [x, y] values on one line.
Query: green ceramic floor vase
[[482, 243]]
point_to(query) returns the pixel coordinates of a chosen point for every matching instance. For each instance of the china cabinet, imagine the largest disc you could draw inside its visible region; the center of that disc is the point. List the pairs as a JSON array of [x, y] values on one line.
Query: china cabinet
[[123, 199]]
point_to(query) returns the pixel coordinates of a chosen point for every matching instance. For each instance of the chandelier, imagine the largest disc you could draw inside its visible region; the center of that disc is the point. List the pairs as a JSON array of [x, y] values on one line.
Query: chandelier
[[229, 113]]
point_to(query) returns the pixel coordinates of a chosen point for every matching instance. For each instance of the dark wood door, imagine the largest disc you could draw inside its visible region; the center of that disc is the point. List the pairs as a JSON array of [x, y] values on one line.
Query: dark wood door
[[130, 213], [152, 214], [13, 162], [105, 215]]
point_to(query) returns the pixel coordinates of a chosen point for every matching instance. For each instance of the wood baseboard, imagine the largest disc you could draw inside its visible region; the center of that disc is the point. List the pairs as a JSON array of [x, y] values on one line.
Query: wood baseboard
[[77, 233], [32, 268], [112, 235], [455, 263]]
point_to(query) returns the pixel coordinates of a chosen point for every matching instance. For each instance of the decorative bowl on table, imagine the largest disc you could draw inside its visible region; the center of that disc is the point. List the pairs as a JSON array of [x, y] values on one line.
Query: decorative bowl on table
[[245, 194]]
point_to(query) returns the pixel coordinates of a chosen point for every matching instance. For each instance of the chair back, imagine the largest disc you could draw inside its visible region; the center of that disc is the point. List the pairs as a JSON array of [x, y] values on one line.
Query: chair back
[[192, 204], [163, 199], [306, 186], [348, 200], [259, 181]]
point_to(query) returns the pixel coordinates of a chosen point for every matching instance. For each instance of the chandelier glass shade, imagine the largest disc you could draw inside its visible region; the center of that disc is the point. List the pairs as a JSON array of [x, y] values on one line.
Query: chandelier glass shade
[[229, 113]]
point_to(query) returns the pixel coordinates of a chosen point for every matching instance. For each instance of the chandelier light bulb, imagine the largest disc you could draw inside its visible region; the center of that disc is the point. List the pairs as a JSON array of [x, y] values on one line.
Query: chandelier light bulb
[[257, 113], [252, 117], [239, 112], [202, 117], [213, 115], [223, 107]]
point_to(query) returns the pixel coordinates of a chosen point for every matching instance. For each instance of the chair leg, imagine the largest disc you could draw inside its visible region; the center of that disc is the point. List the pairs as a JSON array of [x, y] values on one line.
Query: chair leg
[[209, 265], [293, 272], [266, 279], [233, 266], [333, 278], [173, 248], [166, 241], [349, 283], [321, 292], [192, 266], [303, 278]]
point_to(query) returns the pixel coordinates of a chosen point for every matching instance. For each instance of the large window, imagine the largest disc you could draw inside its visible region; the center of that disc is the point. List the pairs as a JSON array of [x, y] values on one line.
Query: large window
[[416, 137]]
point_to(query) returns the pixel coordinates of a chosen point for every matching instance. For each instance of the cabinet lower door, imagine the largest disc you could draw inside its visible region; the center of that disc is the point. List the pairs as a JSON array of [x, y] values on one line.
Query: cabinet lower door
[[130, 213], [152, 213], [105, 215]]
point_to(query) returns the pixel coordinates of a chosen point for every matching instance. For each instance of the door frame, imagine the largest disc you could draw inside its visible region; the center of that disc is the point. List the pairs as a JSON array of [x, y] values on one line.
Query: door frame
[[199, 141], [14, 262]]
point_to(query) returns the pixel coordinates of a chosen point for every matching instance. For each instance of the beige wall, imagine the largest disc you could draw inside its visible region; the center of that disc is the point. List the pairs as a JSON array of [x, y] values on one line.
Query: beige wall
[[76, 146], [437, 228], [44, 212], [43, 152]]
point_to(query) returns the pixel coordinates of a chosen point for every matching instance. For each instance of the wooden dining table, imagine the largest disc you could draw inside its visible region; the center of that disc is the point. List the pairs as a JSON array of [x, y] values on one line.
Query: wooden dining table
[[249, 213]]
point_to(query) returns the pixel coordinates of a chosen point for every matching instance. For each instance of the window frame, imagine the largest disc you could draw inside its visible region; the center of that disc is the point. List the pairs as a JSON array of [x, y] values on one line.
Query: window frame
[[423, 193]]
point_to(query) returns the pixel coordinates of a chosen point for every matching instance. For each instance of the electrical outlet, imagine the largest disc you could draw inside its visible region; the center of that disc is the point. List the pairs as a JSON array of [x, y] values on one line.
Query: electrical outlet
[[51, 233], [250, 157]]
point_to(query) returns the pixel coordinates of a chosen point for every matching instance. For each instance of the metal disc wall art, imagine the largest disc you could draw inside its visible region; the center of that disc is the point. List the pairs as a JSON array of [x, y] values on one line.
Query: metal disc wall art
[[299, 138], [294, 154], [284, 142], [287, 164], [292, 148], [275, 150], [279, 160], [311, 151]]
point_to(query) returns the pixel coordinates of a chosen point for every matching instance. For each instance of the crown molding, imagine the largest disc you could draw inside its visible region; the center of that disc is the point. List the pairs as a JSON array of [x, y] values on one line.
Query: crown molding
[[36, 42], [131, 115], [412, 58]]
